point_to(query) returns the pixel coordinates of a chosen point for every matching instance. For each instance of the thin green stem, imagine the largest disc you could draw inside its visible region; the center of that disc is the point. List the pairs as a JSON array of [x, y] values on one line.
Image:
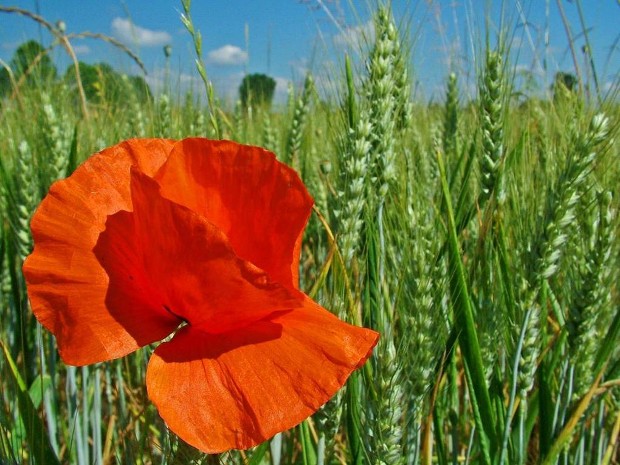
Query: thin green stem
[[468, 338]]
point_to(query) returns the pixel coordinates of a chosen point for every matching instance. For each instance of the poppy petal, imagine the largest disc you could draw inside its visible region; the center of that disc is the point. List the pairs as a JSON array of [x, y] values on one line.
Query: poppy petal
[[254, 383], [66, 283], [168, 259], [260, 204]]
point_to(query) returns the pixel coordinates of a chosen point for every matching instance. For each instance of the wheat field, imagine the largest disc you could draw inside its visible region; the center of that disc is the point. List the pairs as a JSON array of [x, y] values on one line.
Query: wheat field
[[478, 236]]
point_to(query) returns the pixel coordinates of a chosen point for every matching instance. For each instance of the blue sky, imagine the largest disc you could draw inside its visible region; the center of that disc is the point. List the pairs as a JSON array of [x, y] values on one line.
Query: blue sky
[[285, 38]]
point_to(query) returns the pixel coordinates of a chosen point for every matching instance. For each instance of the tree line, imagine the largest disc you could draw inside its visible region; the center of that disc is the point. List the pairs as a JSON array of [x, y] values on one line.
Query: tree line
[[31, 66]]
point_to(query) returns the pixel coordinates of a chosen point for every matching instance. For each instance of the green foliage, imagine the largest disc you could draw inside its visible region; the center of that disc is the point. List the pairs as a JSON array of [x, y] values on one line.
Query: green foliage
[[31, 62], [102, 84], [257, 90], [564, 84], [32, 53]]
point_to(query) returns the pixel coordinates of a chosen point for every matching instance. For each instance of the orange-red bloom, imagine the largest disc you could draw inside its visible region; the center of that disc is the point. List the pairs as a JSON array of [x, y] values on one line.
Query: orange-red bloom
[[201, 239]]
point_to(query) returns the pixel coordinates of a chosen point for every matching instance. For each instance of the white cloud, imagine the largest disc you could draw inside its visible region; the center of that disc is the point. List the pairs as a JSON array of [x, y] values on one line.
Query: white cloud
[[228, 55], [155, 82], [81, 49], [299, 67], [9, 45], [227, 87], [356, 37], [281, 93], [516, 43], [126, 31], [612, 86], [179, 82]]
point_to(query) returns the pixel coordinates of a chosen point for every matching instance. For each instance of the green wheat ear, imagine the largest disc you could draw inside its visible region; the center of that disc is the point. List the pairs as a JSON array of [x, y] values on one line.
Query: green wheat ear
[[354, 147], [451, 119], [135, 123], [26, 198], [423, 329], [492, 116], [532, 246], [592, 301], [328, 419], [240, 118], [292, 153], [384, 415], [528, 361], [269, 134], [353, 185], [199, 123], [164, 116], [560, 212], [57, 135], [383, 105]]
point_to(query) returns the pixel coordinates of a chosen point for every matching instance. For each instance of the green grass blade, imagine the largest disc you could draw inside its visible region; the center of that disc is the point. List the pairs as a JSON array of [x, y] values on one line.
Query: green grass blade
[[258, 454], [464, 316], [351, 102], [354, 427], [38, 388], [307, 445], [545, 397], [567, 432], [485, 445], [611, 340], [39, 444], [72, 162]]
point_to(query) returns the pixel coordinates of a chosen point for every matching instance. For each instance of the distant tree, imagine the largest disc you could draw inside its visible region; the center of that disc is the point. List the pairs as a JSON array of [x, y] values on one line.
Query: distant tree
[[141, 88], [103, 84], [564, 84], [5, 82], [257, 90], [30, 57], [94, 79]]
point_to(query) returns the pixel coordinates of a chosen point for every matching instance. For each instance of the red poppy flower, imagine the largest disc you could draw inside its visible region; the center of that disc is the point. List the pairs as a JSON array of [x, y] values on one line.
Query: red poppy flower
[[199, 239]]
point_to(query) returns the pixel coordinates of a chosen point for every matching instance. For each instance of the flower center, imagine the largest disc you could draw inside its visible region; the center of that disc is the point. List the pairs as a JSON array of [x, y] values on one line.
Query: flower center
[[174, 314]]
